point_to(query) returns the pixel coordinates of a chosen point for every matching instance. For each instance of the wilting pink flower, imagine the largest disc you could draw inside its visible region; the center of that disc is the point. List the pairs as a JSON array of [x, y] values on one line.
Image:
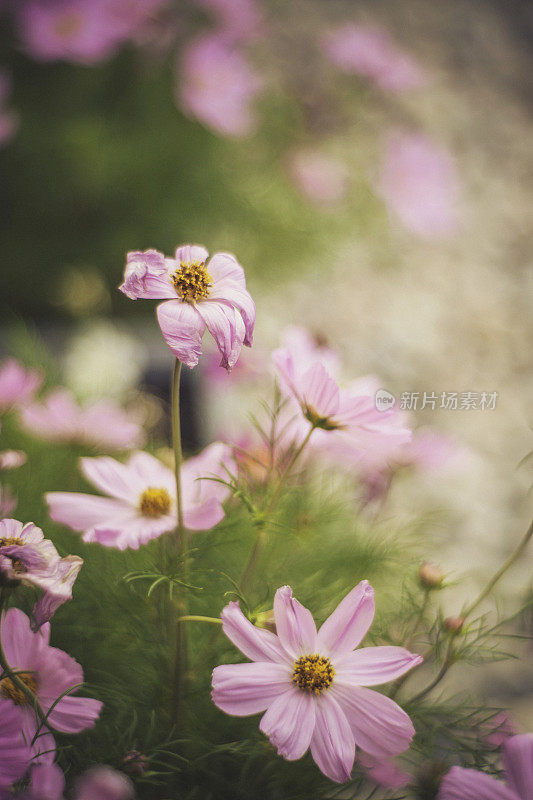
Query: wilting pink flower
[[348, 418], [469, 784], [12, 459], [217, 86], [48, 673], [8, 119], [102, 424], [14, 751], [419, 185], [198, 295], [141, 498], [57, 589], [8, 502], [322, 178], [103, 783], [17, 384], [384, 772], [370, 52], [311, 684], [236, 19]]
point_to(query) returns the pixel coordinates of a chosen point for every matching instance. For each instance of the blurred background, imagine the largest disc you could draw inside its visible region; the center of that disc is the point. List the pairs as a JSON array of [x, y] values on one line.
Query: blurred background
[[370, 165]]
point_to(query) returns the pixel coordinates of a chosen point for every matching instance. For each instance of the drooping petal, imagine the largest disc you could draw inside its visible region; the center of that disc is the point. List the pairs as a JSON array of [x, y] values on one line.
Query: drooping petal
[[112, 478], [146, 276], [82, 511], [227, 329], [241, 300], [371, 666], [182, 328], [346, 627], [243, 689], [289, 723], [257, 644], [57, 588], [332, 743], [469, 784], [75, 714], [294, 624], [518, 760], [380, 727]]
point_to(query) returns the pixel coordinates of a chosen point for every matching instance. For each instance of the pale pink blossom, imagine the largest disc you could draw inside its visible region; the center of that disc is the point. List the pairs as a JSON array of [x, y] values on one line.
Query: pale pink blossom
[[236, 19], [322, 178], [17, 384], [104, 783], [15, 754], [369, 51], [199, 294], [48, 673], [419, 185], [12, 459], [469, 784], [102, 424], [140, 501], [217, 86], [312, 685], [24, 552]]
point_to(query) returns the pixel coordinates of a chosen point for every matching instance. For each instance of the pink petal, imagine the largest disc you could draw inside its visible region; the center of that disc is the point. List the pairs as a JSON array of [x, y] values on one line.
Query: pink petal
[[47, 782], [151, 472], [131, 530], [227, 329], [243, 689], [379, 725], [289, 723], [345, 628], [22, 648], [257, 644], [383, 772], [14, 752], [203, 517], [82, 511], [113, 478], [468, 784], [332, 743], [189, 253], [240, 298], [224, 268], [182, 328], [518, 760], [371, 666], [294, 624], [318, 391], [75, 714], [58, 672]]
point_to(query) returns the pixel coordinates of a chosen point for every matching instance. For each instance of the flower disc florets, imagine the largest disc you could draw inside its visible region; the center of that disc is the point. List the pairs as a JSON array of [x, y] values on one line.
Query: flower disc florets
[[313, 673], [11, 542], [155, 502], [192, 281], [12, 692]]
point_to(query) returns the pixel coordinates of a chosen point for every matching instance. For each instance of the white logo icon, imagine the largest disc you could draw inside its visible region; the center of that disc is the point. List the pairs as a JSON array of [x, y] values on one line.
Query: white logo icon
[[384, 400]]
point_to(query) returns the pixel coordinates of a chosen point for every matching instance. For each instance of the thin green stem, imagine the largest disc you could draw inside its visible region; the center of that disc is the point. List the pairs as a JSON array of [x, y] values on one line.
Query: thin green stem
[[410, 641], [199, 618], [176, 442], [448, 661]]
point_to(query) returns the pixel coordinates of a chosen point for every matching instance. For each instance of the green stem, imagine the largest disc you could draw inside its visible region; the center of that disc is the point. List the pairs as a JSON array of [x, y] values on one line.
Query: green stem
[[197, 618], [499, 574], [410, 641], [448, 661], [176, 442]]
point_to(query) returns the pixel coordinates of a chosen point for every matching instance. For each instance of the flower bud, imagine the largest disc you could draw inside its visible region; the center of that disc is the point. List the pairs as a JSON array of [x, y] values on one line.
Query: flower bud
[[265, 619], [454, 624], [135, 763], [430, 575]]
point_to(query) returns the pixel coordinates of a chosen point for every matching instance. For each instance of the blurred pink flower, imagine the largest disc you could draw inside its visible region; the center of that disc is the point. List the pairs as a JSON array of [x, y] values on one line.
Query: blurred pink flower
[[8, 502], [217, 86], [469, 784], [102, 424], [311, 683], [141, 497], [249, 369], [429, 451], [198, 295], [15, 754], [369, 51], [57, 589], [237, 19], [104, 783], [47, 783], [12, 459], [9, 120], [419, 185], [321, 178], [384, 772], [17, 384], [49, 673]]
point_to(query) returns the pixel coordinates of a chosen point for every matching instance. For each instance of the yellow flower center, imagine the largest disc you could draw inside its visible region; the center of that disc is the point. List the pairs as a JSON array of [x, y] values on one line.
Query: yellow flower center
[[5, 542], [192, 281], [155, 502], [12, 692], [313, 673]]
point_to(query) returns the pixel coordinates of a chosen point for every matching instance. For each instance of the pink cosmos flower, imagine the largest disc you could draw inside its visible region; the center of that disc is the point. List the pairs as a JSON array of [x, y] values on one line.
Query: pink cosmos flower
[[322, 178], [17, 384], [198, 295], [14, 752], [217, 86], [370, 52], [103, 424], [49, 673], [469, 784], [312, 685], [12, 459], [419, 185], [349, 419], [141, 498]]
